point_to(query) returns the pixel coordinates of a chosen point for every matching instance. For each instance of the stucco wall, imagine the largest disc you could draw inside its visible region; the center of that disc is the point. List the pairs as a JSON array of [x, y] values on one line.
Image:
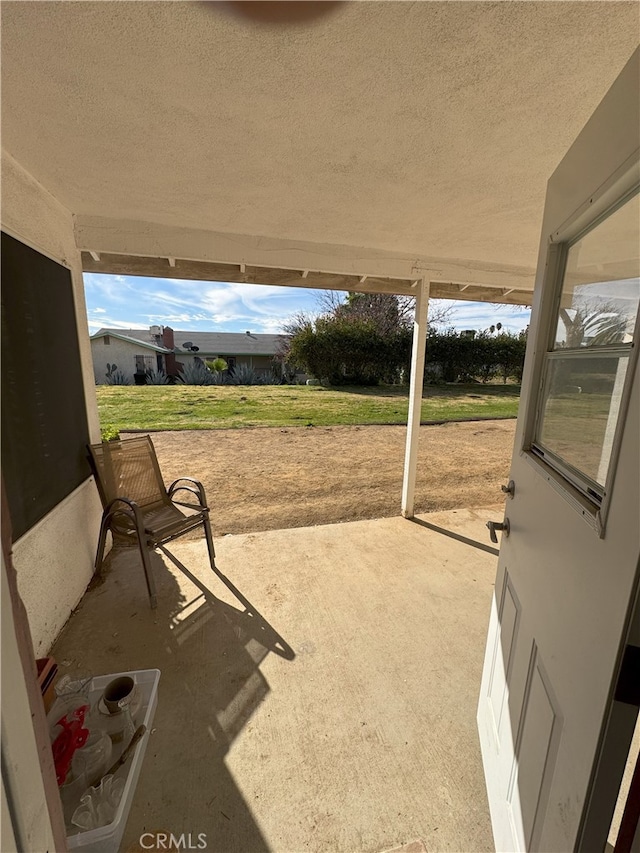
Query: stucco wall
[[260, 363], [54, 560], [121, 353]]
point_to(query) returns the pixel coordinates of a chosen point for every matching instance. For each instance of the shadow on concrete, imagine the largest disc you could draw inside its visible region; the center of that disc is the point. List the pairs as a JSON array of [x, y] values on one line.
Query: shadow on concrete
[[209, 653], [457, 536]]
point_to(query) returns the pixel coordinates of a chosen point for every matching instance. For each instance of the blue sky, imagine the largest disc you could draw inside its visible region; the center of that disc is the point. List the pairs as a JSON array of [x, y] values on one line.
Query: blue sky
[[130, 302]]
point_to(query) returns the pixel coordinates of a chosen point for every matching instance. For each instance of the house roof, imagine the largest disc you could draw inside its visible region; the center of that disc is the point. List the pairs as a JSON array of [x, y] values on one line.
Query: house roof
[[385, 139], [230, 343], [208, 343], [134, 336]]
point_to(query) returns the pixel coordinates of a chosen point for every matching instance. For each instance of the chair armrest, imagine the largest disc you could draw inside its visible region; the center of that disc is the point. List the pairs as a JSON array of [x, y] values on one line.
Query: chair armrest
[[131, 510], [194, 486], [133, 506]]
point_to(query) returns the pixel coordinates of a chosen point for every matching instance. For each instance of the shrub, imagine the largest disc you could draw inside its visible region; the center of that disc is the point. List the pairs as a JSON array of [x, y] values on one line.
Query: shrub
[[458, 357], [218, 378], [350, 351], [217, 365], [116, 376], [157, 377], [109, 432], [195, 373], [245, 375]]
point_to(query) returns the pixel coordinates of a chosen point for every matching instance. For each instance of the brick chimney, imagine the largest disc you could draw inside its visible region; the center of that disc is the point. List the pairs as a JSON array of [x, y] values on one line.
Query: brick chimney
[[170, 359]]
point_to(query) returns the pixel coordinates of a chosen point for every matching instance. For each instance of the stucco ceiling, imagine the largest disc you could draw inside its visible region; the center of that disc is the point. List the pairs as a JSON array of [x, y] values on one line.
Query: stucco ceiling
[[427, 128]]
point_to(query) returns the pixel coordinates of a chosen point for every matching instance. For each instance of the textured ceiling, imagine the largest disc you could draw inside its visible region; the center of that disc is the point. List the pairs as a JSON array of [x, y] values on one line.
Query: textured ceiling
[[427, 127]]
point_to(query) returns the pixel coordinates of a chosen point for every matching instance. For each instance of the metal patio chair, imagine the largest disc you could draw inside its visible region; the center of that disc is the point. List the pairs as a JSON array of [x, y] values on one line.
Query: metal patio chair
[[138, 508]]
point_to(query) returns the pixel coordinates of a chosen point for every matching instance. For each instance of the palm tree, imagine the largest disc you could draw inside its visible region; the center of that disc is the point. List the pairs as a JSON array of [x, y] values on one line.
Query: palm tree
[[593, 324]]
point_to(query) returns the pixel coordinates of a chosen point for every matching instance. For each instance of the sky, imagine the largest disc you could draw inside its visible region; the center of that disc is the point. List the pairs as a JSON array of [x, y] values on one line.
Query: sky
[[132, 302]]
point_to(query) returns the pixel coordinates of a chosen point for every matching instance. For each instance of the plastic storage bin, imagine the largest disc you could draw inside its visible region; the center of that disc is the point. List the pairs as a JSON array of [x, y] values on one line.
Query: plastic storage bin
[[107, 839]]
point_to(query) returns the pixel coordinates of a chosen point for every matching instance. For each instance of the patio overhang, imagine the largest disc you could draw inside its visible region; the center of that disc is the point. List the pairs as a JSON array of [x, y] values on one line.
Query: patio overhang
[[187, 270], [131, 248]]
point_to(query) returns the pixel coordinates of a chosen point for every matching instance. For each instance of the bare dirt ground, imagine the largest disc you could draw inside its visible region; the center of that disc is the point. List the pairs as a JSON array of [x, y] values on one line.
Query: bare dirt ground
[[270, 478]]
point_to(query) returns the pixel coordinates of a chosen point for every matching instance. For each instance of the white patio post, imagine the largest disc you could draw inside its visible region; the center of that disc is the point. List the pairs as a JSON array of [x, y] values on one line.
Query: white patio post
[[415, 397]]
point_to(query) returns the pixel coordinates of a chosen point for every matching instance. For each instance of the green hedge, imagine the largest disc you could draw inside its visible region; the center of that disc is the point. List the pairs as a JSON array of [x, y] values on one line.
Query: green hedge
[[459, 357], [353, 351]]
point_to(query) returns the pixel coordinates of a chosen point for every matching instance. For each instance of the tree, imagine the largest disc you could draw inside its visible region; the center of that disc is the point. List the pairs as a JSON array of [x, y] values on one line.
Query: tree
[[387, 310], [359, 338], [342, 350], [593, 322]]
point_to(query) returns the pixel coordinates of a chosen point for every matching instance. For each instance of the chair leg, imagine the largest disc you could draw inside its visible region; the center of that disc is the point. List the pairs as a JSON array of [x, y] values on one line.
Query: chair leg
[[209, 537], [148, 572], [102, 542], [146, 565]]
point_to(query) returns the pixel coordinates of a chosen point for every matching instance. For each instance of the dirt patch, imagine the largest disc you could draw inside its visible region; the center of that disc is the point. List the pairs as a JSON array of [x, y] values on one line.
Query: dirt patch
[[270, 478]]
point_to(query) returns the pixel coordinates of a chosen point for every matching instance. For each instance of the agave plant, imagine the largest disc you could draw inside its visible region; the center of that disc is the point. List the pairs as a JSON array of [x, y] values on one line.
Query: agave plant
[[245, 375], [156, 377], [195, 373], [116, 376], [218, 378]]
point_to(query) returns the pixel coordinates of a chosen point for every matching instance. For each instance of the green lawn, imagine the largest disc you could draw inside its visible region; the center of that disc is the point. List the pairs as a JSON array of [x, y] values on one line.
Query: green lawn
[[158, 407]]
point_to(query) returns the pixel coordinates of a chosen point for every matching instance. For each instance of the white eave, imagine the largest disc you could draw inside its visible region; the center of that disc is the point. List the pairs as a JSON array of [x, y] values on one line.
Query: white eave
[[129, 340]]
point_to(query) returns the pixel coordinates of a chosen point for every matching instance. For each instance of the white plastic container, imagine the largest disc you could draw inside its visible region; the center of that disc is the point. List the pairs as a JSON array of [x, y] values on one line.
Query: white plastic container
[[107, 839]]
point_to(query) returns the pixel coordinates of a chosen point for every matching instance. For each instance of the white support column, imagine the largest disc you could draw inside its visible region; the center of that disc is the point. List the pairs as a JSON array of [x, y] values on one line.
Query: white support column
[[415, 397]]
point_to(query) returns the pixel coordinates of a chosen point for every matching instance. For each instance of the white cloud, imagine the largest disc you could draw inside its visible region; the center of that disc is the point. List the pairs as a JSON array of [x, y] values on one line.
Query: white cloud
[[481, 315], [136, 302], [111, 323]]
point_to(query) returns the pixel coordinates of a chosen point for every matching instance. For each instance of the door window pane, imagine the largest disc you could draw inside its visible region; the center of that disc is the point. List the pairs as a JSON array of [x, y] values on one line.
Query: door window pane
[[601, 283], [580, 410]]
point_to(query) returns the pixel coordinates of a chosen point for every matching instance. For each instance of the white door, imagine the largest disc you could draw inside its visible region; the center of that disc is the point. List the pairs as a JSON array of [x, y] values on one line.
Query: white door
[[567, 575]]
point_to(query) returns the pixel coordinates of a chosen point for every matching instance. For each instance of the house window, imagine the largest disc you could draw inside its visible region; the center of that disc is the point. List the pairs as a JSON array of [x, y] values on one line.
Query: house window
[[144, 363], [107, 340], [586, 369]]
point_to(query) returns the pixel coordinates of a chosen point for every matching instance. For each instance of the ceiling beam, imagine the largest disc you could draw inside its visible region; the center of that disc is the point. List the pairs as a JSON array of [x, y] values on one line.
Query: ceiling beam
[[148, 239], [204, 271]]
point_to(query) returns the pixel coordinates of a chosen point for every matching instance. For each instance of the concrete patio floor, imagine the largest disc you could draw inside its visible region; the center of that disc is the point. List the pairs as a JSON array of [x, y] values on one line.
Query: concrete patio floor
[[319, 695]]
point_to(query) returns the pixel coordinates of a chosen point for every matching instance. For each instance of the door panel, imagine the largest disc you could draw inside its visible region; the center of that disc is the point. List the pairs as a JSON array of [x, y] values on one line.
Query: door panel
[[565, 583]]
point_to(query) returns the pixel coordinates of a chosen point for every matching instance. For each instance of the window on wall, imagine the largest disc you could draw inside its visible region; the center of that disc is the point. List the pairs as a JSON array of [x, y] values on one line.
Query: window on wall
[[107, 340], [144, 363], [589, 357]]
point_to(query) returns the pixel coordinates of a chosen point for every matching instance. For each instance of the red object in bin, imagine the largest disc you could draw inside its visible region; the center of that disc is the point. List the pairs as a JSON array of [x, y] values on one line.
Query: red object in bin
[[73, 736]]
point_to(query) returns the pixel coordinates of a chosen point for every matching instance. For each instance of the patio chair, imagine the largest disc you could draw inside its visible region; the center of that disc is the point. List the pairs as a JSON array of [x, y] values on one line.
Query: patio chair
[[138, 508]]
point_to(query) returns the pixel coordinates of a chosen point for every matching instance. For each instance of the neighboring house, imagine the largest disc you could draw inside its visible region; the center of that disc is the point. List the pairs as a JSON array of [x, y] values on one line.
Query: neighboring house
[[238, 349], [164, 348], [134, 357]]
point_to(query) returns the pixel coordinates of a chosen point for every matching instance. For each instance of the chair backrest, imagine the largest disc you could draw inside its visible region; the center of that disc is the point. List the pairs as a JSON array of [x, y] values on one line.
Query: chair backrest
[[128, 468]]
